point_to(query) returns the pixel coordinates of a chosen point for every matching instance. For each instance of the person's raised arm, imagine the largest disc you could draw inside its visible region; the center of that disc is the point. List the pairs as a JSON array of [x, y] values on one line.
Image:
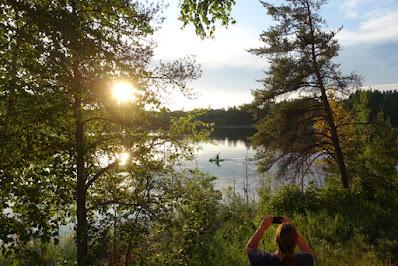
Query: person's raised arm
[[255, 239], [301, 243]]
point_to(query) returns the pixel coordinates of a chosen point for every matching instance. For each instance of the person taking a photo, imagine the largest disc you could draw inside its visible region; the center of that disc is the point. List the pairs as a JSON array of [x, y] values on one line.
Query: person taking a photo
[[287, 238]]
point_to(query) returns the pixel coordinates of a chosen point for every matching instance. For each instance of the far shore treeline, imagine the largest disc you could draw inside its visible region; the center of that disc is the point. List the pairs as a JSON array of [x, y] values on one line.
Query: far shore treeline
[[245, 116]]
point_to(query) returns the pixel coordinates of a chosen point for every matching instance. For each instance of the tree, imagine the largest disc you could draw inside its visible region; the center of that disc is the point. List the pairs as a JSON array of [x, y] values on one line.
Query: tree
[[83, 130], [374, 161], [286, 137], [300, 53], [30, 192], [188, 238], [345, 122], [204, 14], [385, 102]]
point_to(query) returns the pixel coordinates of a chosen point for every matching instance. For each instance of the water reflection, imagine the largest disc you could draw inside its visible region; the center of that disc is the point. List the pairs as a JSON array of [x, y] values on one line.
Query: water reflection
[[236, 168], [233, 135]]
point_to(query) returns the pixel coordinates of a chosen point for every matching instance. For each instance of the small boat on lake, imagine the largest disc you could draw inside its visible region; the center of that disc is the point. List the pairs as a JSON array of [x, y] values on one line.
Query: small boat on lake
[[216, 160], [213, 160]]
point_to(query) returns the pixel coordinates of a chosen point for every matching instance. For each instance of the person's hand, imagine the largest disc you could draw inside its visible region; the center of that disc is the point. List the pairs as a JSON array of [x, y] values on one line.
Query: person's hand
[[286, 220], [267, 221]]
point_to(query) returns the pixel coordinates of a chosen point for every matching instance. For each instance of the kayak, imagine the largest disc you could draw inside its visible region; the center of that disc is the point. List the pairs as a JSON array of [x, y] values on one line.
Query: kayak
[[216, 160]]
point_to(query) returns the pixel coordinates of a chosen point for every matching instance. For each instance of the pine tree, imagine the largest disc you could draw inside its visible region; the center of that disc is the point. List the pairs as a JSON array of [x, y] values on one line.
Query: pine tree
[[300, 53]]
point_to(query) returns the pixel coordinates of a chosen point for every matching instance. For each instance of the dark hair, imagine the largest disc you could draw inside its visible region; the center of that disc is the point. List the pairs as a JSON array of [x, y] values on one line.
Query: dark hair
[[286, 238]]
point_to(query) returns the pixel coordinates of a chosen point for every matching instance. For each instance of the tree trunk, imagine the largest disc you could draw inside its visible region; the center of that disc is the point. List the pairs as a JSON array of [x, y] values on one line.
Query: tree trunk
[[326, 106], [82, 228], [114, 257], [128, 254], [335, 138]]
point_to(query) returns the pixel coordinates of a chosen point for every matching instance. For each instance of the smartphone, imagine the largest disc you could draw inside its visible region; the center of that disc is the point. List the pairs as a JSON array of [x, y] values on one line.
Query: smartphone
[[277, 220]]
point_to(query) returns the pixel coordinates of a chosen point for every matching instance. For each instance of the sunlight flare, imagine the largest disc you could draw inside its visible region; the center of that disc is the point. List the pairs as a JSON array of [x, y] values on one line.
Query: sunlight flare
[[123, 91], [123, 158]]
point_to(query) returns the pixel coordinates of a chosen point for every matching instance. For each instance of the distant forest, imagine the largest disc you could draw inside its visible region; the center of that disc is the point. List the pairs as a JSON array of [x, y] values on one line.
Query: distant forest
[[232, 117], [221, 118], [385, 102]]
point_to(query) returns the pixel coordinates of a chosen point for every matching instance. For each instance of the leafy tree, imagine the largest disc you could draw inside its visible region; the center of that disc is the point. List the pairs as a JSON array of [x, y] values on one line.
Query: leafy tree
[[204, 14], [301, 53], [188, 236], [83, 130], [346, 123], [31, 191], [144, 193]]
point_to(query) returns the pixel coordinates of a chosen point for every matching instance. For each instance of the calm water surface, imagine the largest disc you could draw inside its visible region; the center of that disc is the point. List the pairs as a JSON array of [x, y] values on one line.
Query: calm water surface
[[238, 170]]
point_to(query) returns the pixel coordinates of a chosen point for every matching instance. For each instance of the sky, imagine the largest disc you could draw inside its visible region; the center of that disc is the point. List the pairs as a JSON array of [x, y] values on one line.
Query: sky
[[369, 41]]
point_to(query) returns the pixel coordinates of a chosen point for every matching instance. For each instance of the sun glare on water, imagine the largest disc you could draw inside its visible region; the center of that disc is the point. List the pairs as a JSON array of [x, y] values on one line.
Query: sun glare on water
[[123, 91]]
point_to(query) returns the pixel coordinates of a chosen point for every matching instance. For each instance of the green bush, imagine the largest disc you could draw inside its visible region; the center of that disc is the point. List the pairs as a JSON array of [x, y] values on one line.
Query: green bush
[[43, 254], [331, 217]]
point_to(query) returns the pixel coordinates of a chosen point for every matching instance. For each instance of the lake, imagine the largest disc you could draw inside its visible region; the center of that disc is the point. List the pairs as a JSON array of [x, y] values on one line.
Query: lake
[[238, 170]]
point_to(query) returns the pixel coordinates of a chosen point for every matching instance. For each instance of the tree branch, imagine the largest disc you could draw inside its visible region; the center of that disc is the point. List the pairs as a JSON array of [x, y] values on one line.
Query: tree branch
[[100, 173], [355, 123]]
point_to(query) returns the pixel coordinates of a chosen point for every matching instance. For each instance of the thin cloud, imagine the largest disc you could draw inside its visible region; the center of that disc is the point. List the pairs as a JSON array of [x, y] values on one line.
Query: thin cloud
[[354, 9], [209, 98], [374, 30], [227, 49], [350, 8]]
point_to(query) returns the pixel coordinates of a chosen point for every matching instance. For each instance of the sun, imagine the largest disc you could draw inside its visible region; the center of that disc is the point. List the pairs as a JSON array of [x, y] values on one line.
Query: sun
[[123, 158], [123, 91]]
